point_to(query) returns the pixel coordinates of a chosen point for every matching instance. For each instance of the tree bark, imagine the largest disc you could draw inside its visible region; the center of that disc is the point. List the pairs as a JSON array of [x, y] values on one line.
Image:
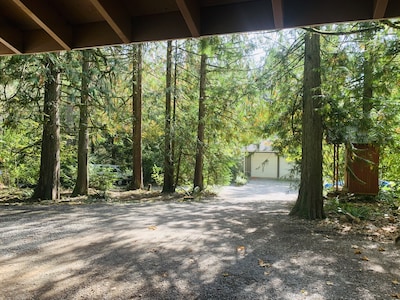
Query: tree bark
[[367, 97], [82, 180], [198, 172], [174, 154], [309, 204], [49, 176], [137, 178], [168, 185]]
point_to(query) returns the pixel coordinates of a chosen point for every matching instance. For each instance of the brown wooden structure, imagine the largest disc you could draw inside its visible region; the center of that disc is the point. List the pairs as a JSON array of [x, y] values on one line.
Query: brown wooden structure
[[362, 169], [31, 26]]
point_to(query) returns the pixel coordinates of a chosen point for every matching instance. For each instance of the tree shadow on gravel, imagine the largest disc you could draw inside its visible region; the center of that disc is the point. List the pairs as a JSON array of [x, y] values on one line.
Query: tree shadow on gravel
[[214, 249]]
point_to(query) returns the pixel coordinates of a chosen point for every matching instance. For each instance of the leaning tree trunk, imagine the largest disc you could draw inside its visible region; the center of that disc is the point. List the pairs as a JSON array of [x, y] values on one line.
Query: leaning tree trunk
[[198, 171], [82, 180], [168, 185], [309, 204], [137, 178], [49, 176]]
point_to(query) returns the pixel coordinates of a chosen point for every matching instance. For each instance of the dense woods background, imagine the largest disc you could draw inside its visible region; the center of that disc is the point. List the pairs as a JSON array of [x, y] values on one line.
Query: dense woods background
[[96, 92], [200, 102]]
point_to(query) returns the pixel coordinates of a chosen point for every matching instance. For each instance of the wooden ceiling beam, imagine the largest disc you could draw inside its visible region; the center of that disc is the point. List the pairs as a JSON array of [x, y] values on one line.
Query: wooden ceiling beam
[[87, 35], [380, 7], [10, 46], [11, 38], [277, 10], [116, 17], [168, 26], [48, 20], [190, 10]]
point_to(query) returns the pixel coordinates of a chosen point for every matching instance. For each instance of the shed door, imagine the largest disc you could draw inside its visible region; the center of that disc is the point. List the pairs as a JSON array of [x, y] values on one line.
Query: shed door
[[362, 170], [264, 165]]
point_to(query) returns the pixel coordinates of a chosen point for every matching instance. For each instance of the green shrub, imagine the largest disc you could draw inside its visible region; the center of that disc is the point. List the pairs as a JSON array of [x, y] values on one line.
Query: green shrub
[[358, 210], [102, 181], [157, 175], [390, 197], [362, 212], [331, 205], [241, 179]]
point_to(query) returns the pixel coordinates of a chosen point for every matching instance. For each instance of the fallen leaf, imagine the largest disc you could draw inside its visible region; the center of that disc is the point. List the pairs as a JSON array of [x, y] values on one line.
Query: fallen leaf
[[266, 273], [381, 249], [365, 258], [329, 283], [152, 227], [225, 274], [389, 229], [357, 251], [241, 248], [304, 292], [395, 282], [263, 264], [397, 296]]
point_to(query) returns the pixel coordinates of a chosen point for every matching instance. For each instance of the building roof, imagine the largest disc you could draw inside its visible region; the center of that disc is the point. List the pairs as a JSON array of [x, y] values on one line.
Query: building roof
[[30, 26]]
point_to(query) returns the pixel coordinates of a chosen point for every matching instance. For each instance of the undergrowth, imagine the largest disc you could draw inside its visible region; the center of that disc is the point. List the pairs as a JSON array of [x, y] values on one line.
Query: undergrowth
[[364, 207]]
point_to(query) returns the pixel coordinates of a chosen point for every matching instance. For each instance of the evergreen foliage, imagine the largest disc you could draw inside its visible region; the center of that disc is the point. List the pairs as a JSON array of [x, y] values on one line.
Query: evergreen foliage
[[232, 109], [254, 89]]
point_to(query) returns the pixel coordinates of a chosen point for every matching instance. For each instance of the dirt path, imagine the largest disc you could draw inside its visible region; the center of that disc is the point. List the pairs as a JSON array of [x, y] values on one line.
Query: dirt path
[[241, 245]]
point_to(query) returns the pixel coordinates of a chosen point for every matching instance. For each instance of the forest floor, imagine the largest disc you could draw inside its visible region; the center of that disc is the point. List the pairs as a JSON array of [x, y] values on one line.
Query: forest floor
[[237, 244]]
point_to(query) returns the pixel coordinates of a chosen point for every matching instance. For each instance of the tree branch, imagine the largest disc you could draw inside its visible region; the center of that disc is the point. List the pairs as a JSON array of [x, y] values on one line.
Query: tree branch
[[322, 32], [391, 24]]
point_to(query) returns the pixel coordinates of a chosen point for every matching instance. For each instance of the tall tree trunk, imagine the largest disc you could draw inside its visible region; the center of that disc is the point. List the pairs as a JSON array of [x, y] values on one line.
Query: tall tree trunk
[[113, 148], [309, 204], [82, 180], [198, 171], [176, 167], [168, 186], [137, 178], [367, 101], [49, 176]]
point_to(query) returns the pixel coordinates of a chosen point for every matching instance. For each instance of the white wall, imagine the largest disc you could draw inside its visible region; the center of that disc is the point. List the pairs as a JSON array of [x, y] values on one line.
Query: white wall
[[265, 165], [284, 168]]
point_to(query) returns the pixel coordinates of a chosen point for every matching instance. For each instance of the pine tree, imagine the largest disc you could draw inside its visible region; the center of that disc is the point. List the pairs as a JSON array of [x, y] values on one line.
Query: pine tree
[[137, 179], [309, 203], [82, 180], [168, 185], [49, 176], [198, 171]]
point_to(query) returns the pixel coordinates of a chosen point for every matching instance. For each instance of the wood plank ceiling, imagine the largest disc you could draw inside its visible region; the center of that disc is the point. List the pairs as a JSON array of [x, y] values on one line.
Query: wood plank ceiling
[[31, 26]]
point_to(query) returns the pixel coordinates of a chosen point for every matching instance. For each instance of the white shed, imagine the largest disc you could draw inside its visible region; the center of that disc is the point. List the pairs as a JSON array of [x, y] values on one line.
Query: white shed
[[262, 162]]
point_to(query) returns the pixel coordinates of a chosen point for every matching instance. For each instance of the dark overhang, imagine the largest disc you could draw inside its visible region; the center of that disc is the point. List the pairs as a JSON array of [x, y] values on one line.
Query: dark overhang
[[30, 26]]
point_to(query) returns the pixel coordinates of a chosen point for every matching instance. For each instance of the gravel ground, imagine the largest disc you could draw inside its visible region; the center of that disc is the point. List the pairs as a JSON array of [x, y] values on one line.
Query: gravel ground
[[240, 245]]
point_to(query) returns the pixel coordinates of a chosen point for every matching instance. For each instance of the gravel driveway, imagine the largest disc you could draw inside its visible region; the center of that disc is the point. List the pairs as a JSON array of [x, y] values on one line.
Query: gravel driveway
[[240, 245]]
